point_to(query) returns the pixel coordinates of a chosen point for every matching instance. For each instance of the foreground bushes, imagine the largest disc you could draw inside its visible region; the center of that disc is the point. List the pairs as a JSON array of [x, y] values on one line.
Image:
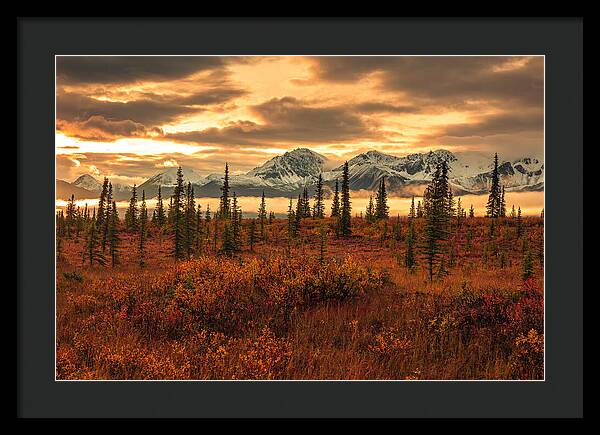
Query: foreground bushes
[[292, 318]]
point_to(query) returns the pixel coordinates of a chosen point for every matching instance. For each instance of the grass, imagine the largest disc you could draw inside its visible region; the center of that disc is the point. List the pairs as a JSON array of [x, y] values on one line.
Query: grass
[[280, 313]]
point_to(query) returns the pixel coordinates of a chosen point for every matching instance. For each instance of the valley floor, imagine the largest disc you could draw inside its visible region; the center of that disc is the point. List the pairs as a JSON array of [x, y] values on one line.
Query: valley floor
[[285, 311]]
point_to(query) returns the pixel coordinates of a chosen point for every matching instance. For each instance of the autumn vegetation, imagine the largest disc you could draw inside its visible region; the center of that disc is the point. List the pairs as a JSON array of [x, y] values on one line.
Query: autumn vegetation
[[186, 293]]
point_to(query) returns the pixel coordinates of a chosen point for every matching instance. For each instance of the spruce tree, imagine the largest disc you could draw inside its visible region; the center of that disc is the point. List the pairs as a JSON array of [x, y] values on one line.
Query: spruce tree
[[70, 216], [107, 215], [291, 217], [381, 206], [262, 214], [178, 218], [494, 199], [370, 213], [305, 204], [299, 212], [225, 204], [345, 229], [93, 248], [420, 212], [519, 224], [189, 220], [143, 228], [436, 223], [102, 203], [412, 213], [527, 265], [502, 212], [335, 206], [513, 212], [227, 241], [113, 235], [131, 215], [161, 217], [319, 206], [471, 212], [236, 230]]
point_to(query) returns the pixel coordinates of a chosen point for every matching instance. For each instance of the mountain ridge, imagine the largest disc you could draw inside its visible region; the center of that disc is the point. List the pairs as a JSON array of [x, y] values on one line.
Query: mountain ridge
[[288, 174]]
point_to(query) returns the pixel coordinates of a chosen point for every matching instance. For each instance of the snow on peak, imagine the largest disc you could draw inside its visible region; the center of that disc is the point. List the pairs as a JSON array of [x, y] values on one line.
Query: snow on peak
[[86, 181], [168, 177]]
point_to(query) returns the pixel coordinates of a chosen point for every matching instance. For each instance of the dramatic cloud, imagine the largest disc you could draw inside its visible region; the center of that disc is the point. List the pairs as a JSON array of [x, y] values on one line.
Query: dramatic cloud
[[130, 69], [129, 117]]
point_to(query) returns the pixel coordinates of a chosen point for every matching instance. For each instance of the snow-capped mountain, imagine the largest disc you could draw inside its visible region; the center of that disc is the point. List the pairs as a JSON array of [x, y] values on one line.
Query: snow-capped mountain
[[86, 181], [467, 173], [88, 187], [297, 166], [288, 174]]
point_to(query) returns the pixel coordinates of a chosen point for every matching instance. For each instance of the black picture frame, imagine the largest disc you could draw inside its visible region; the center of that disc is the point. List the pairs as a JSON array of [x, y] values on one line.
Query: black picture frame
[[560, 395]]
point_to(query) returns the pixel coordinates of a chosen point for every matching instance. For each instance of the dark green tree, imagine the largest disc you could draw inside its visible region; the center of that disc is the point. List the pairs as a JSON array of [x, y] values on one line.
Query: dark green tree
[[345, 229], [113, 235], [412, 213], [178, 218], [228, 247], [370, 212], [143, 230], [93, 246], [335, 206], [471, 212], [252, 235], [189, 221], [494, 199], [225, 203], [410, 239], [381, 206], [131, 215], [262, 215], [519, 224], [160, 215], [319, 205]]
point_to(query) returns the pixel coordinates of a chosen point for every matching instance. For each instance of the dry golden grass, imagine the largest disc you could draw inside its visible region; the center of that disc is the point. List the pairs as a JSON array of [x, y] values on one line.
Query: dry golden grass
[[278, 313]]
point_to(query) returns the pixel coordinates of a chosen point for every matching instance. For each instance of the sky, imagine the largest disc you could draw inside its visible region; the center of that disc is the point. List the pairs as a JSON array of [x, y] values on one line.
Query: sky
[[129, 117]]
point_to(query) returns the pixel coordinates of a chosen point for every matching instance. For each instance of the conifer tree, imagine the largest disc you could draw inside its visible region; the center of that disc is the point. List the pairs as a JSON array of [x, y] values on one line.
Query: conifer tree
[[178, 218], [113, 235], [471, 212], [107, 215], [225, 203], [70, 216], [397, 229], [451, 204], [271, 217], [420, 212], [131, 215], [189, 220], [436, 215], [335, 206], [527, 265], [207, 219], [412, 213], [319, 205], [236, 230], [299, 212], [143, 228], [513, 213], [494, 199], [459, 213], [542, 214], [345, 229], [305, 204], [227, 242], [370, 212], [381, 206], [102, 203], [502, 212], [161, 218], [262, 214], [93, 249], [519, 224], [291, 217]]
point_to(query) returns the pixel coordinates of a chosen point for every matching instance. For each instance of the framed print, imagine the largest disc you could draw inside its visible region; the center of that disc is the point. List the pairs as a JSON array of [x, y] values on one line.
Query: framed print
[[285, 219]]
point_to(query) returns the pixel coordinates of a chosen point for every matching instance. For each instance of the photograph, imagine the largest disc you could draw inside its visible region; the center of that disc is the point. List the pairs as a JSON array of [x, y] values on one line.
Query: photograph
[[299, 217]]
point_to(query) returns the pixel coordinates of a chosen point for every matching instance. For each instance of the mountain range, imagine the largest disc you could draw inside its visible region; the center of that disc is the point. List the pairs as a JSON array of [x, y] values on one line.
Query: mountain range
[[288, 174]]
